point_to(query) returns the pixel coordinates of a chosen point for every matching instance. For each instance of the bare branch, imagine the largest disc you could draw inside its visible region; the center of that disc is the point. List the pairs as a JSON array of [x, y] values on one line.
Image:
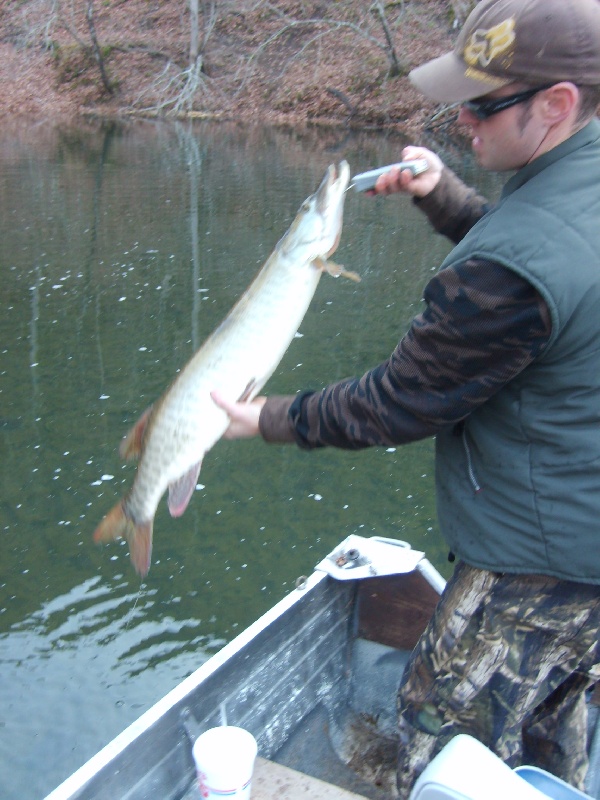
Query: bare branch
[[395, 68], [290, 24], [96, 47], [176, 90], [209, 20]]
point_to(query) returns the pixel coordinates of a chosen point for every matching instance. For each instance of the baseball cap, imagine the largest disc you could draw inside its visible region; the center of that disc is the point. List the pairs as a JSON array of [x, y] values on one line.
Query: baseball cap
[[504, 41]]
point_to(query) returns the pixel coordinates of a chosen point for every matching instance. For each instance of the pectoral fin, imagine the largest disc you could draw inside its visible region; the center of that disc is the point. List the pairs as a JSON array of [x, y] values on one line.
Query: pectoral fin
[[182, 490], [335, 270], [131, 446], [248, 391]]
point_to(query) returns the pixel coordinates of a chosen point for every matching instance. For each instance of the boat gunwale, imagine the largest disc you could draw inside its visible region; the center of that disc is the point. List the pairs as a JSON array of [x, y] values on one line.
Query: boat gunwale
[[176, 696]]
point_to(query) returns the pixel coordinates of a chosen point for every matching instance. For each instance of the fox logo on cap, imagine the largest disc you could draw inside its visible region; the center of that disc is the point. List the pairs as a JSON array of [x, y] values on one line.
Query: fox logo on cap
[[485, 45]]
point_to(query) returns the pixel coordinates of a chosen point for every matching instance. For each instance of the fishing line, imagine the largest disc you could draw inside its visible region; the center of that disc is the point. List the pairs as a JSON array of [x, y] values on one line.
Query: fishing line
[[132, 611]]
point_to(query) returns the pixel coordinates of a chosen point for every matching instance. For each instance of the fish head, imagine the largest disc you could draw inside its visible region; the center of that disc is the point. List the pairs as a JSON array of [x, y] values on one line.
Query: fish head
[[316, 230]]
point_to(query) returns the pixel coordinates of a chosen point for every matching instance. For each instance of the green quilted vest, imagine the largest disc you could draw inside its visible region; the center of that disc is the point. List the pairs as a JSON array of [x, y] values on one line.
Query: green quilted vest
[[518, 485]]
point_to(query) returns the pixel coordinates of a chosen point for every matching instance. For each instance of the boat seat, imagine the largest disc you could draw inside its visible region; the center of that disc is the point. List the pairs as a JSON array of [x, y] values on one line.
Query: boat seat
[[467, 770], [272, 781]]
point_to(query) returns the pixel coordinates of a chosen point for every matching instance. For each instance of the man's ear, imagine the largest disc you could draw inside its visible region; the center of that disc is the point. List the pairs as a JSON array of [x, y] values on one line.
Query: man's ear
[[559, 102]]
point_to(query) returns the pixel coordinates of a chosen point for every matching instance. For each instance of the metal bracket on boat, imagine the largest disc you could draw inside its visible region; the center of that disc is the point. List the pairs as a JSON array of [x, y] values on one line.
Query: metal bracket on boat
[[190, 724], [301, 582], [351, 559], [362, 557], [193, 728]]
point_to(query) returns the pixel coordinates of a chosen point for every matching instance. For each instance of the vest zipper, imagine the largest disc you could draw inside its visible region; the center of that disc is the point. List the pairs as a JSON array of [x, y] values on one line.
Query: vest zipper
[[470, 471]]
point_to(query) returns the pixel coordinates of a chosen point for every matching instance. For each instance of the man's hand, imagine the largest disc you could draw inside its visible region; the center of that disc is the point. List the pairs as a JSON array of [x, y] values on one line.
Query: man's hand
[[243, 416], [403, 181]]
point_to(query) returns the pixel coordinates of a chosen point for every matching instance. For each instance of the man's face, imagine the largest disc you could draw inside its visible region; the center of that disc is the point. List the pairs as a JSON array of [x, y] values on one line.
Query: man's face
[[510, 138]]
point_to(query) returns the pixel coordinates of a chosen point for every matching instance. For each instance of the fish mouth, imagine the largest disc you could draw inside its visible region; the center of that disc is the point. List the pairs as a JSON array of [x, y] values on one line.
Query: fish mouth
[[333, 186]]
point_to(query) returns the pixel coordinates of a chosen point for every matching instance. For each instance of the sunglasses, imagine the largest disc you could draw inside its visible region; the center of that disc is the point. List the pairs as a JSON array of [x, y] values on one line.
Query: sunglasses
[[483, 109]]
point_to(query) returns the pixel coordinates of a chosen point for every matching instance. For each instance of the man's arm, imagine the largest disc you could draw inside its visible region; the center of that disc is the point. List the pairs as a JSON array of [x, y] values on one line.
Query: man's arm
[[452, 207], [483, 324]]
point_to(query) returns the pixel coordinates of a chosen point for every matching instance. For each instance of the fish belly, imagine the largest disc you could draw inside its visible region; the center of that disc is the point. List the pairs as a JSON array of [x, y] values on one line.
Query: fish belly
[[237, 360]]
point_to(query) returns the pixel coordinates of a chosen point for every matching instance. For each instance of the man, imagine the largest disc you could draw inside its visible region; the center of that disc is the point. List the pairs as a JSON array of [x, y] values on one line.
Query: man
[[503, 367]]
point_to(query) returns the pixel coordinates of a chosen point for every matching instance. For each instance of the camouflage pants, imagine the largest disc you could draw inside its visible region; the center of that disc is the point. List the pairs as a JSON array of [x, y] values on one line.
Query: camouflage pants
[[506, 659]]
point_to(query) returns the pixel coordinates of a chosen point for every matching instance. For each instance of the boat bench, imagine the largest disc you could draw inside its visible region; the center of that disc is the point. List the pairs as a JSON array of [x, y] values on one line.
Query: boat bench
[[272, 781]]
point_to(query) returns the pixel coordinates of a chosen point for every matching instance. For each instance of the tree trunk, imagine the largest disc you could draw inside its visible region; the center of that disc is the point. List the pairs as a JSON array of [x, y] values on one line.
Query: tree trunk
[[96, 47], [396, 68], [194, 32]]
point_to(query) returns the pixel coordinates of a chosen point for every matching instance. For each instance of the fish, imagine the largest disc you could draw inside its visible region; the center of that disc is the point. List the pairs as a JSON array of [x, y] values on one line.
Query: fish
[[172, 437]]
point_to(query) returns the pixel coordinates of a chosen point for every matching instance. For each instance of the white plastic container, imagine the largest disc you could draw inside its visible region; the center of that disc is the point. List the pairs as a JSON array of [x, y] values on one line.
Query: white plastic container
[[466, 770], [224, 760], [550, 785]]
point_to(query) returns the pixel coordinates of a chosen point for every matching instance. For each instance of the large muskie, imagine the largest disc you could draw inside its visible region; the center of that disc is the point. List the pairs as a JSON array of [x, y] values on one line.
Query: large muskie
[[172, 436]]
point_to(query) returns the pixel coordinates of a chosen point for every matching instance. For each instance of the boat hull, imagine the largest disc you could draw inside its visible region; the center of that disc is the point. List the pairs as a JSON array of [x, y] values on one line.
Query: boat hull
[[301, 662]]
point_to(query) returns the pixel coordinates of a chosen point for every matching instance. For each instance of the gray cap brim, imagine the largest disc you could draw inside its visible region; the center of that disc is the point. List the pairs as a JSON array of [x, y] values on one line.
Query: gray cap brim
[[448, 79]]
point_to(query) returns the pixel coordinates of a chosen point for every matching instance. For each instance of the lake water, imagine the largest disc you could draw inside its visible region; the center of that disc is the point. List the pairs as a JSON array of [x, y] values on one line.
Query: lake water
[[121, 248]]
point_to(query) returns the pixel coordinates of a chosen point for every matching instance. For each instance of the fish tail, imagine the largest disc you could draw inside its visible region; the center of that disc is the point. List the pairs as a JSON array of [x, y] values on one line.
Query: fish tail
[[117, 525]]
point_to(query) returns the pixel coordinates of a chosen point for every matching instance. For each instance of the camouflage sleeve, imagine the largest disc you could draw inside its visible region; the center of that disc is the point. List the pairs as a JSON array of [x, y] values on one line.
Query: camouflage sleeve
[[452, 207], [482, 324]]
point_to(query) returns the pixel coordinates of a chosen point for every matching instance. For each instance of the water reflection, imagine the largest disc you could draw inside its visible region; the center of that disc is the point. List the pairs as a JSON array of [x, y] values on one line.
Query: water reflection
[[121, 248]]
